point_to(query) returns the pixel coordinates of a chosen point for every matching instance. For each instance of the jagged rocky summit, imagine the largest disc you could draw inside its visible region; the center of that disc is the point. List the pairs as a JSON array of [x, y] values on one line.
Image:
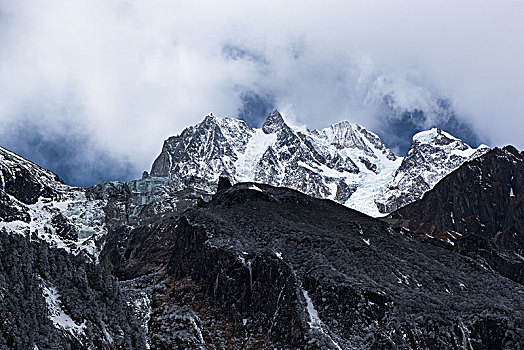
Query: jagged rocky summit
[[344, 162]]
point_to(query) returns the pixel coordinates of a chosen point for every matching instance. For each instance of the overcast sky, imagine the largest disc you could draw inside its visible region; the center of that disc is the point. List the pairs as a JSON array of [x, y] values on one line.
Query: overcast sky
[[91, 88]]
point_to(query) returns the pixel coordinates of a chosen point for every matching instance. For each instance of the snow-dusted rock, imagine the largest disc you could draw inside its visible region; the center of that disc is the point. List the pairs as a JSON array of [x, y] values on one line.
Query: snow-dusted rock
[[35, 201], [344, 162], [433, 154]]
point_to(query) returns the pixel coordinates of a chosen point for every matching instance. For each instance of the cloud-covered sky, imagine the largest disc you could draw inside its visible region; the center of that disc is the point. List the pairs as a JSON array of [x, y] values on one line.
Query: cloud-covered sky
[[91, 89]]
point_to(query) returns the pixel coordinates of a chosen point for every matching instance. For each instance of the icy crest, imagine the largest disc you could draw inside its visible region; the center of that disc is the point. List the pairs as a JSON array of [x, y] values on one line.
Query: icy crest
[[432, 134]]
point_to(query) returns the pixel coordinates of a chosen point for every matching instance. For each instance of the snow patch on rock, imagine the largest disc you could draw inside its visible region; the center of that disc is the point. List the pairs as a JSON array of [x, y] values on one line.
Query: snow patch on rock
[[60, 318]]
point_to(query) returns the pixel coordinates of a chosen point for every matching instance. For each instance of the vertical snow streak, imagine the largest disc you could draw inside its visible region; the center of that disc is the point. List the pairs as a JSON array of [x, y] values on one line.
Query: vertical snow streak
[[314, 320]]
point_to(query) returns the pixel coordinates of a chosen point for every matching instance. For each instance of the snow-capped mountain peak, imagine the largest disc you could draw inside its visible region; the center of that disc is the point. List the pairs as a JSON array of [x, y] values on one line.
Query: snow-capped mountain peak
[[438, 137], [274, 122], [349, 135], [344, 162], [432, 155]]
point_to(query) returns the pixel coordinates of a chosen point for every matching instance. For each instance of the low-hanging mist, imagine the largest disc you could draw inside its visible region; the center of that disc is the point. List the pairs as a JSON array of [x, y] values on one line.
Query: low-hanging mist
[[114, 79]]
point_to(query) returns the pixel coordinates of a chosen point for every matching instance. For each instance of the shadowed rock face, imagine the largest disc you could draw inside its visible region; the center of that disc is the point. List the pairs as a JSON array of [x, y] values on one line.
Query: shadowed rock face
[[25, 180], [263, 267], [23, 183], [479, 208]]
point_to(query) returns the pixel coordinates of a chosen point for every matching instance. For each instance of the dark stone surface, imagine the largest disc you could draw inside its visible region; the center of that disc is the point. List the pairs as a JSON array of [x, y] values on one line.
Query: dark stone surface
[[273, 123], [24, 180], [255, 267], [263, 267], [223, 184], [63, 227], [482, 201]]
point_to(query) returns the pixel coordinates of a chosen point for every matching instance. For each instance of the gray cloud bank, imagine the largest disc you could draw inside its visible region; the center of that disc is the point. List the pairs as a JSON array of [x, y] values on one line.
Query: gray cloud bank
[[115, 78]]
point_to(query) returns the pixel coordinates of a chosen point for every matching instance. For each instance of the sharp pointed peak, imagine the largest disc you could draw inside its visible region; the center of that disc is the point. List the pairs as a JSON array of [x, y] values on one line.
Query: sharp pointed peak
[[210, 116], [274, 122]]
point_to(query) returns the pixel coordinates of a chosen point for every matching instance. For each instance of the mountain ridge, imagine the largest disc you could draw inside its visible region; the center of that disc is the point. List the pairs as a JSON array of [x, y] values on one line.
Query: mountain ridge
[[252, 264], [485, 221], [344, 162]]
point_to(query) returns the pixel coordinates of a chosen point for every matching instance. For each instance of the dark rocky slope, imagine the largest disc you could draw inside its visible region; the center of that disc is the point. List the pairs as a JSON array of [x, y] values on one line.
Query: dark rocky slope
[[51, 299], [25, 180], [55, 298], [479, 208], [22, 183], [263, 267]]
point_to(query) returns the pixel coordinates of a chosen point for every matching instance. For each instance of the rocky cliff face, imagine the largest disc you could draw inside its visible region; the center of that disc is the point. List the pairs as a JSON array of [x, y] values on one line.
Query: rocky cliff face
[[479, 208], [266, 267], [26, 181], [53, 291], [53, 295], [344, 162]]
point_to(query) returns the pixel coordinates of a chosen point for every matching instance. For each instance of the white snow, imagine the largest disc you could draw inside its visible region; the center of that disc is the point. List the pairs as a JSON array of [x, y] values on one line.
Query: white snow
[[85, 215], [108, 336], [332, 190], [279, 255], [511, 194], [313, 314], [247, 161], [60, 319], [314, 320], [405, 278], [253, 187], [198, 330], [366, 241], [373, 186], [429, 135], [250, 268]]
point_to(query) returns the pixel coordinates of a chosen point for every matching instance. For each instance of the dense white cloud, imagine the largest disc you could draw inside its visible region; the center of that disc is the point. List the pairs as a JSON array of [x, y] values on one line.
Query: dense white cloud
[[131, 73]]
